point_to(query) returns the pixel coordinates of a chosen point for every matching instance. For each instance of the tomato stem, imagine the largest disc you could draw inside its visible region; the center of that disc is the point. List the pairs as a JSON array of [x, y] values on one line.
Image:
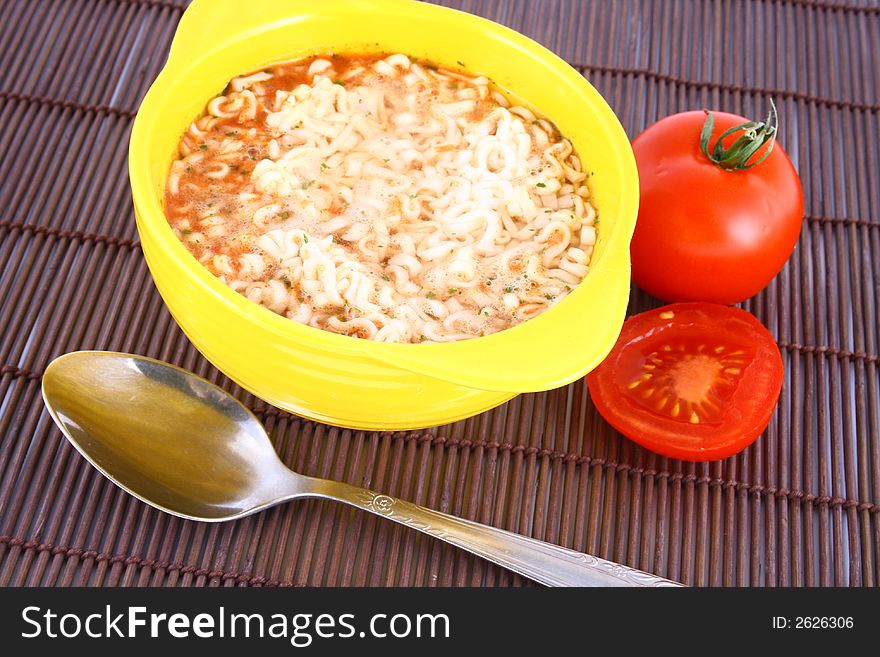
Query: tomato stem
[[755, 134]]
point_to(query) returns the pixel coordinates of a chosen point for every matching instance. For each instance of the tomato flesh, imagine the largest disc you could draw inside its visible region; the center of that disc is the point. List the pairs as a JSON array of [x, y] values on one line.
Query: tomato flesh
[[693, 381]]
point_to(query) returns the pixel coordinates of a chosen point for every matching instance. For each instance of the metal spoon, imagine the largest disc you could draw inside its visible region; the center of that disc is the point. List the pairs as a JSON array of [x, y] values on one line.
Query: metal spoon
[[187, 447]]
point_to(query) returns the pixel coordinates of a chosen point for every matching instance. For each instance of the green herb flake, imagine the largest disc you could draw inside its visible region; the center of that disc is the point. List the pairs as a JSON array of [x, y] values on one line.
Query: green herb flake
[[430, 295], [454, 290], [422, 338], [385, 277], [189, 169], [186, 231], [203, 147], [568, 288], [540, 185], [232, 134], [460, 63], [339, 82], [305, 239], [306, 185], [386, 159], [508, 290], [284, 215], [549, 297], [454, 85], [324, 166]]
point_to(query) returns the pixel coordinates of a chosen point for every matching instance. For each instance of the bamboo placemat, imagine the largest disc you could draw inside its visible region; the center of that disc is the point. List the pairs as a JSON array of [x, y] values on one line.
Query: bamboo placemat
[[797, 508]]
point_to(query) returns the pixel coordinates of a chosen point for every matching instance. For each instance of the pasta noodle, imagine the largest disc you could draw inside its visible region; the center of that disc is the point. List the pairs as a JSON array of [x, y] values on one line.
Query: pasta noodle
[[383, 198]]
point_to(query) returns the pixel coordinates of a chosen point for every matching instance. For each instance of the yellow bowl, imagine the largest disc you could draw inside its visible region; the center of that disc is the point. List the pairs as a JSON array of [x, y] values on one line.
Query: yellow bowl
[[347, 381]]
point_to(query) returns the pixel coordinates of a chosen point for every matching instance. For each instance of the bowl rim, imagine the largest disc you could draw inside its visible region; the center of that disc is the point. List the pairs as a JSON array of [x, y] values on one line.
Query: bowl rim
[[421, 358]]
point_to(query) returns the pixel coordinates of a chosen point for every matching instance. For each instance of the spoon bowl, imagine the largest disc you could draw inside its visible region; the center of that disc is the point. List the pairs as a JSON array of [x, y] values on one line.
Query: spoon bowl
[[187, 447], [170, 438]]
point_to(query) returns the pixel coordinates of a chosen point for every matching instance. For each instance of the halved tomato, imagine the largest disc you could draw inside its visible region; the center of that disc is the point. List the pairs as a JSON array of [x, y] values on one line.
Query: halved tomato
[[693, 381]]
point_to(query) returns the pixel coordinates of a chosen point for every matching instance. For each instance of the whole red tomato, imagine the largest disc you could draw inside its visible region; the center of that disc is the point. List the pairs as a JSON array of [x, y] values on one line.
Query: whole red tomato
[[710, 231]]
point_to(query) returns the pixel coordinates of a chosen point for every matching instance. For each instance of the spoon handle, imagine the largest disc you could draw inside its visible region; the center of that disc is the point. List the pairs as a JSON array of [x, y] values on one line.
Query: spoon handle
[[543, 562]]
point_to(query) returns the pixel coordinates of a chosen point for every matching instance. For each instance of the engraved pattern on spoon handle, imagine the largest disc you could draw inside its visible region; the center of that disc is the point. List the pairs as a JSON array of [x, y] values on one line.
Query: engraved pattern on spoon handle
[[543, 562]]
